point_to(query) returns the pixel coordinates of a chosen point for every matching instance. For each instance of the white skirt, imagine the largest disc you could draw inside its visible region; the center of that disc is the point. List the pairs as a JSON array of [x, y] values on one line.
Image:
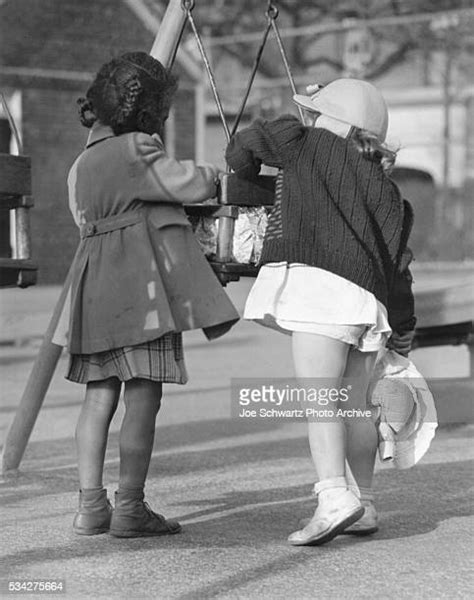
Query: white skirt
[[297, 297]]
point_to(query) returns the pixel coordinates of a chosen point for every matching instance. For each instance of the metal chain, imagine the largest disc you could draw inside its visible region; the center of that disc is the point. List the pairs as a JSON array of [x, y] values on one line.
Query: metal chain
[[272, 14], [188, 6], [252, 77], [272, 11]]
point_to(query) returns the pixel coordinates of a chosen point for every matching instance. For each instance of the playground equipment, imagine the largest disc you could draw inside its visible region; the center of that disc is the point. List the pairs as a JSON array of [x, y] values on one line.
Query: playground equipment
[[15, 195], [236, 193], [451, 325]]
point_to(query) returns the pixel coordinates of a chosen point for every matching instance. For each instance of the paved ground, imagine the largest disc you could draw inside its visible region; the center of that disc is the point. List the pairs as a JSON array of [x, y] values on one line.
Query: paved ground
[[238, 487]]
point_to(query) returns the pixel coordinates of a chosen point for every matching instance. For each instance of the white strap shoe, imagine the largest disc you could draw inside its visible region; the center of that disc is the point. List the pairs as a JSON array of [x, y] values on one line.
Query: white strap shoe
[[338, 508], [367, 524]]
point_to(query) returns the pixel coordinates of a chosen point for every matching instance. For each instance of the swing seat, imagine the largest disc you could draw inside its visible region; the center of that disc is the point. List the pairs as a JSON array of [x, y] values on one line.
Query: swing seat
[[251, 196], [243, 192], [15, 190], [234, 194]]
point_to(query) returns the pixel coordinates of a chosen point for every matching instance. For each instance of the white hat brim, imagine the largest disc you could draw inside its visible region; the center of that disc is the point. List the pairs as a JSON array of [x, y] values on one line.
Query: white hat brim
[[305, 102]]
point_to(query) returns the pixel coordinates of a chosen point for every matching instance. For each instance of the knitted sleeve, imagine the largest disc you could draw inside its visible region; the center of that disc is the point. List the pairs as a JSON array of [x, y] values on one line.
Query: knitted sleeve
[[263, 142], [401, 301], [161, 178]]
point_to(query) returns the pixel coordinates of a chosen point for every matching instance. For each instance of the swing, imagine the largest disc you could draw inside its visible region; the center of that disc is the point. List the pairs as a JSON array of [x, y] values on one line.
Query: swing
[[236, 194], [15, 194]]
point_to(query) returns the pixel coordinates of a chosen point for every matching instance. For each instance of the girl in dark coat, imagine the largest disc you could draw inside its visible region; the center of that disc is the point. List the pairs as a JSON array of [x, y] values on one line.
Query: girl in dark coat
[[139, 280]]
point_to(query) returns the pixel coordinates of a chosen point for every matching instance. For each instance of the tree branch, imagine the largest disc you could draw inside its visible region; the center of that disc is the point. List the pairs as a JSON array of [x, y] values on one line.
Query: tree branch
[[390, 61], [331, 62], [246, 59]]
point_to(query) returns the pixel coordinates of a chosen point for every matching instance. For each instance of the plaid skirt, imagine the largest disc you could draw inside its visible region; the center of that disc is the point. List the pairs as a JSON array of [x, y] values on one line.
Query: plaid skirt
[[161, 359]]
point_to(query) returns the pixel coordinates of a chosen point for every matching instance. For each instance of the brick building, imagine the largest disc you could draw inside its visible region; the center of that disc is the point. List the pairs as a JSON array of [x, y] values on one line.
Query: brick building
[[49, 51]]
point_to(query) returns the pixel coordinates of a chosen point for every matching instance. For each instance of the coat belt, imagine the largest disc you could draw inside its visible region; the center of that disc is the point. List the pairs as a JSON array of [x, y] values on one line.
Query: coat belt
[[108, 224]]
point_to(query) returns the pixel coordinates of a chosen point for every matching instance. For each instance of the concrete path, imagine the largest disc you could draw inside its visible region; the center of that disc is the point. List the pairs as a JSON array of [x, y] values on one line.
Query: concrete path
[[238, 487]]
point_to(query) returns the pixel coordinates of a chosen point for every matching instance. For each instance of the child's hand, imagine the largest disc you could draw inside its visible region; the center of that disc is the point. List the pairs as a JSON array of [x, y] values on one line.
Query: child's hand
[[401, 342]]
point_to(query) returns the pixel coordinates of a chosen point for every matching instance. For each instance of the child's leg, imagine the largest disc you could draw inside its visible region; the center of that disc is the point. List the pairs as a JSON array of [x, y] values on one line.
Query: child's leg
[[132, 517], [317, 356], [361, 432], [142, 403], [361, 442], [92, 430]]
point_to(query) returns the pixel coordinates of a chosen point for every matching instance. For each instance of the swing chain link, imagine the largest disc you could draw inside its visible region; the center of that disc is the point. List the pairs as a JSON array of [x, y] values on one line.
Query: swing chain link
[[253, 73], [187, 5], [272, 14], [272, 11]]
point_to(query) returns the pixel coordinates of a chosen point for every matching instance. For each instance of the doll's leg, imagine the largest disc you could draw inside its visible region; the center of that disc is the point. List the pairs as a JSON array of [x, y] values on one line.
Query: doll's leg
[[132, 516], [317, 356], [92, 430]]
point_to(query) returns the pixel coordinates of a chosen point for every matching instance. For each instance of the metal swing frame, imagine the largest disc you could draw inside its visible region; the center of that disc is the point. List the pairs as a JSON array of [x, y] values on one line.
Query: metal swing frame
[[235, 193]]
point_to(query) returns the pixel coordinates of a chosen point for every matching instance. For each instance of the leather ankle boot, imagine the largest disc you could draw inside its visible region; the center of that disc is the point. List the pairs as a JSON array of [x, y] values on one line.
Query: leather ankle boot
[[133, 517], [95, 511]]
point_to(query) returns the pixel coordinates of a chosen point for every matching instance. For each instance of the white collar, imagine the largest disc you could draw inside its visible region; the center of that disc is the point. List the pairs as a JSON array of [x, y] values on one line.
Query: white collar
[[98, 133]]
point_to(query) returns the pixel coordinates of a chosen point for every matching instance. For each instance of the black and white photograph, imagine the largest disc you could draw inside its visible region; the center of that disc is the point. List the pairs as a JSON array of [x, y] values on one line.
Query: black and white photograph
[[237, 299]]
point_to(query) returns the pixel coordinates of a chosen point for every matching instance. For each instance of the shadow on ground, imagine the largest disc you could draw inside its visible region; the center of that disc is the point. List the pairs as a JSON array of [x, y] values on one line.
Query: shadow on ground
[[411, 503]]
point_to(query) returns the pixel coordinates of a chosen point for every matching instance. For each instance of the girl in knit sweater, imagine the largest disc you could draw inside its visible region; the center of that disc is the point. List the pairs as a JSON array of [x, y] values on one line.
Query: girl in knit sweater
[[334, 276]]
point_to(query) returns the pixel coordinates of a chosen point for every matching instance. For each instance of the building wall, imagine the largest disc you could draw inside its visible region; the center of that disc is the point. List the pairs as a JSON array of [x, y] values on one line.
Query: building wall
[[73, 38], [185, 122], [67, 34], [53, 137], [416, 129]]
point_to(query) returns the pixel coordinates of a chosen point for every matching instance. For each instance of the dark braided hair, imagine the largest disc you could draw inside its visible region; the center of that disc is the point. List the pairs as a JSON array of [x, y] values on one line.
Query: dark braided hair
[[130, 93]]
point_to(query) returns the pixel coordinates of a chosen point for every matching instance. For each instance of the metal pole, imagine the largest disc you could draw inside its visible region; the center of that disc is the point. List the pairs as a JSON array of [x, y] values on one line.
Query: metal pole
[[169, 34], [22, 225], [444, 197], [225, 236], [36, 388], [164, 50]]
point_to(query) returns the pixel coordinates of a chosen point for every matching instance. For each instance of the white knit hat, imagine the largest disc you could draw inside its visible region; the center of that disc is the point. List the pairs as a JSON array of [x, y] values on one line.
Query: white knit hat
[[352, 101]]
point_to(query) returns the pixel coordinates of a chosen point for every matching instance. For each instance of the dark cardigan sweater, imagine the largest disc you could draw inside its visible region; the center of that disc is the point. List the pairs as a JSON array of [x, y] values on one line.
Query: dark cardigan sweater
[[339, 211]]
